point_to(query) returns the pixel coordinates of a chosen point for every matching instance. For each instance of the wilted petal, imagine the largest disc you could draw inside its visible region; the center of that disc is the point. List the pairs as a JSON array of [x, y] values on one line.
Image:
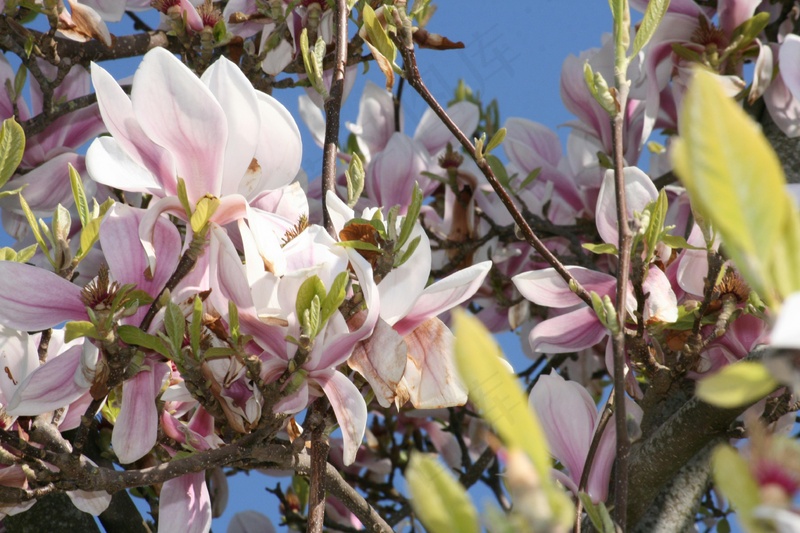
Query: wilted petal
[[381, 359], [35, 299], [546, 287], [350, 410], [136, 427], [444, 294], [185, 505], [431, 377], [570, 332], [84, 24]]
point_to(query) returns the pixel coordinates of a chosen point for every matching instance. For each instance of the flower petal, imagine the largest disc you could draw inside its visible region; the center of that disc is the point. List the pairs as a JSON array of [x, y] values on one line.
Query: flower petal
[[381, 359], [136, 428], [546, 287], [35, 299], [185, 505], [350, 410], [570, 332]]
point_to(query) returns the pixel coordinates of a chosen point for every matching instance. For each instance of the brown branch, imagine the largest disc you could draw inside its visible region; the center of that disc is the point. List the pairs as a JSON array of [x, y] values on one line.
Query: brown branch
[[333, 108], [319, 461]]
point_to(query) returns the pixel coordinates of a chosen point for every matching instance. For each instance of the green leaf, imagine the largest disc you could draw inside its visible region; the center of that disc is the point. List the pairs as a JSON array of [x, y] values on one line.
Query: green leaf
[[655, 11], [746, 32], [532, 175], [676, 241], [134, 336], [183, 196], [216, 352], [310, 288], [80, 328], [233, 320], [175, 326], [499, 170], [602, 248], [196, 327], [90, 234], [733, 477], [736, 182], [495, 141], [355, 180], [412, 214], [440, 502], [34, 225], [335, 297], [737, 385], [359, 245], [6, 194], [313, 62], [408, 252], [598, 87], [19, 80], [493, 389], [379, 43], [79, 194], [203, 212], [655, 227], [12, 147], [598, 514]]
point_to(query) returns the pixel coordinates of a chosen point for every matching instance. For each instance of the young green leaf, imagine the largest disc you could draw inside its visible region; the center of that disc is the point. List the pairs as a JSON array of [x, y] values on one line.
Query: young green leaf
[[655, 11], [196, 326], [495, 141], [602, 248], [412, 214], [90, 234], [408, 252], [440, 502], [175, 325], [311, 288], [736, 385], [12, 147], [79, 194], [379, 43], [203, 212], [732, 476], [355, 180], [598, 514], [79, 328], [494, 391], [335, 297], [183, 196], [736, 182], [35, 228], [136, 337]]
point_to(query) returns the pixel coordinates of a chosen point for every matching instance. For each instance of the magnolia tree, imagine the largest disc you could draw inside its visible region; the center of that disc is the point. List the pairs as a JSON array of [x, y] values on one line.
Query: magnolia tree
[[181, 303]]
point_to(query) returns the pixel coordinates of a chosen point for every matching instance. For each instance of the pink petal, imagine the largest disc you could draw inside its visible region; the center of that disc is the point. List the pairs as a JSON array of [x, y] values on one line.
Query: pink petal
[[546, 287], [434, 135], [732, 13], [639, 191], [530, 145], [662, 305], [118, 115], [280, 147], [47, 185], [93, 503], [35, 299], [431, 378], [313, 118], [179, 113], [185, 505], [238, 99], [567, 414], [136, 427], [18, 357], [51, 386], [401, 287], [570, 332], [392, 173], [250, 522], [228, 277], [444, 294], [375, 120], [349, 407]]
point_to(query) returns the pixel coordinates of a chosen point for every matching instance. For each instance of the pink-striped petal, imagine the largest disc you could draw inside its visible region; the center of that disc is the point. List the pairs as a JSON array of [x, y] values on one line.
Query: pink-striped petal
[[179, 113], [136, 428], [434, 135], [546, 287], [639, 191], [185, 505], [570, 332], [348, 406], [35, 299], [51, 386]]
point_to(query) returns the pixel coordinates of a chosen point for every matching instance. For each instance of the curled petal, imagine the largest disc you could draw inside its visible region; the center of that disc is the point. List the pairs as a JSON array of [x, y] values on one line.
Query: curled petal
[[94, 502], [381, 359], [639, 191], [350, 410], [51, 386]]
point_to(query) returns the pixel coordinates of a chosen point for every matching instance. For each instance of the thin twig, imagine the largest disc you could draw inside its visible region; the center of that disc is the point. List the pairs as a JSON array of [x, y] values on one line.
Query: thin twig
[[405, 45], [333, 108]]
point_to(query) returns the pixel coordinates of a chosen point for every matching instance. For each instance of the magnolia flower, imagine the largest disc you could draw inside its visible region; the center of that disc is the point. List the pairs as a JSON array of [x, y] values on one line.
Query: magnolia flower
[[218, 134], [409, 357]]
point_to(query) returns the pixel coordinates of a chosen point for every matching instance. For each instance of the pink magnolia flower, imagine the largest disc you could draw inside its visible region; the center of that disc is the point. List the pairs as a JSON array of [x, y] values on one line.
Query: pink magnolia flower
[[69, 377], [266, 305], [220, 135], [409, 357], [569, 419]]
